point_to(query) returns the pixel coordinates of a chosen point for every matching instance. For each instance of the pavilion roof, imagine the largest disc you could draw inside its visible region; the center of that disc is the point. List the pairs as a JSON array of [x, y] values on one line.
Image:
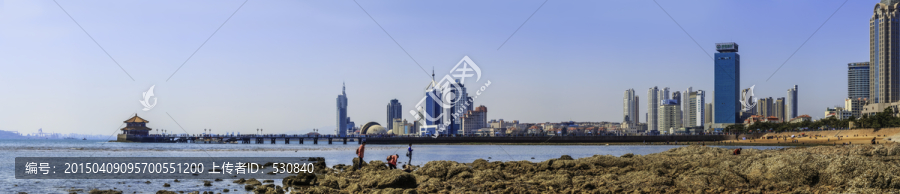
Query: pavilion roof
[[136, 119]]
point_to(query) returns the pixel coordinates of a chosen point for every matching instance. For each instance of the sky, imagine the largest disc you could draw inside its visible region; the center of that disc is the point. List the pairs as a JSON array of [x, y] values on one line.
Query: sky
[[279, 65]]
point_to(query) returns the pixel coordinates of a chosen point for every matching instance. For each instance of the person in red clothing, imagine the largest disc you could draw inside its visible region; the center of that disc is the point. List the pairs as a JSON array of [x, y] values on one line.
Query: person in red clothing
[[392, 161], [359, 153]]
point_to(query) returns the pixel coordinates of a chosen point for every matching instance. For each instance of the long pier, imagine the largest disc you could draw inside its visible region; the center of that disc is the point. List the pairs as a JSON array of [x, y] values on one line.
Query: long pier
[[332, 139]]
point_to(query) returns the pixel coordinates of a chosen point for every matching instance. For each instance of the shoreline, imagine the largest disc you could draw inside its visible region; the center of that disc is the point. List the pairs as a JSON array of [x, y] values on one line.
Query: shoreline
[[694, 168]]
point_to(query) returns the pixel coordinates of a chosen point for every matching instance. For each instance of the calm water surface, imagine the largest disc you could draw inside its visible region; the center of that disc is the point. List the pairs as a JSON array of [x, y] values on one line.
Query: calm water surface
[[333, 154]]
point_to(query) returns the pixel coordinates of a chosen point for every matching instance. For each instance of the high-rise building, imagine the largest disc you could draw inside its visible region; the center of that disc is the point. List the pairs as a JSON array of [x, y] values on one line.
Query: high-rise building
[[652, 108], [630, 110], [676, 96], [765, 107], [686, 108], [459, 107], [779, 109], [884, 62], [342, 119], [432, 119], [857, 87], [693, 109], [637, 111], [858, 80], [394, 111], [708, 115], [791, 103], [727, 83], [473, 120], [668, 116], [664, 94]]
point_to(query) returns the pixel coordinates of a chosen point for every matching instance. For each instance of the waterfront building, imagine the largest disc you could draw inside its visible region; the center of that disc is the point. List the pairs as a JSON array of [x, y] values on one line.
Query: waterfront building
[[708, 116], [652, 108], [631, 109], [884, 65], [474, 120], [694, 109], [791, 103], [431, 113], [883, 36], [398, 125], [342, 119], [857, 87], [676, 96], [668, 116], [858, 80], [765, 107], [727, 82], [394, 111], [779, 109], [136, 126]]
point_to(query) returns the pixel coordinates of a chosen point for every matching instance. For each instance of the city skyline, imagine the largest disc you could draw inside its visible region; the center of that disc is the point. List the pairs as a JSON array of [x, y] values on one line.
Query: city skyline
[[255, 72]]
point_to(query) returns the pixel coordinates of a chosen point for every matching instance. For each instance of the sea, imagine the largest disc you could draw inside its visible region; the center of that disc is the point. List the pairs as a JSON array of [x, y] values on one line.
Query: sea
[[334, 154]]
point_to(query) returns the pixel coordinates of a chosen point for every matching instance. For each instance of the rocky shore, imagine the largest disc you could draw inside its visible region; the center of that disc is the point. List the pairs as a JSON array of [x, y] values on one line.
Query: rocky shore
[[690, 169]]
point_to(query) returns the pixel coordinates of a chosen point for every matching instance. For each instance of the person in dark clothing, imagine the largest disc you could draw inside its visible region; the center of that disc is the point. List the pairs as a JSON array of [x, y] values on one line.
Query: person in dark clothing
[[409, 154]]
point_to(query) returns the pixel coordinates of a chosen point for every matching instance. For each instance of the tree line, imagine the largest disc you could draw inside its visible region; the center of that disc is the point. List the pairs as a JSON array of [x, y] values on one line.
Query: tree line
[[882, 119]]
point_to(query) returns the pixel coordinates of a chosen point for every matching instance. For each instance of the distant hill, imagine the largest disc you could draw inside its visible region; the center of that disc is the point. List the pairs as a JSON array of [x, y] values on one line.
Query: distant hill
[[10, 135]]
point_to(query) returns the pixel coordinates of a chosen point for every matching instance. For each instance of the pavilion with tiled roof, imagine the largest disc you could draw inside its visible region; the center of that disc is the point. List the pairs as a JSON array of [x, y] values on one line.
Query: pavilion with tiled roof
[[136, 126]]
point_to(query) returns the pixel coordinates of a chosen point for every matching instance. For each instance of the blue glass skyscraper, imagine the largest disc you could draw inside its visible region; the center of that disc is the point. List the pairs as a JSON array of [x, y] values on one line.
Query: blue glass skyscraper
[[727, 83]]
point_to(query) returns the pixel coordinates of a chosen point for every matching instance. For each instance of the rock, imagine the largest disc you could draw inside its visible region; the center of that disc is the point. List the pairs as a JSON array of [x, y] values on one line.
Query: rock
[[176, 180], [166, 185], [225, 190], [240, 181], [268, 181], [389, 179], [302, 179], [218, 179], [148, 182], [628, 155], [96, 191], [165, 192], [358, 164], [565, 157], [207, 183]]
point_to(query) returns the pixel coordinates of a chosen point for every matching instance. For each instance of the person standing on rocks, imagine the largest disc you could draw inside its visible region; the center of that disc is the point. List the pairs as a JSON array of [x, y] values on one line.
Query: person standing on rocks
[[359, 153], [409, 154]]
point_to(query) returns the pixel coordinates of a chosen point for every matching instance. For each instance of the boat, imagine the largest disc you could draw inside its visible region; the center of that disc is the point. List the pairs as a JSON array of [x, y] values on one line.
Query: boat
[[69, 138], [83, 138]]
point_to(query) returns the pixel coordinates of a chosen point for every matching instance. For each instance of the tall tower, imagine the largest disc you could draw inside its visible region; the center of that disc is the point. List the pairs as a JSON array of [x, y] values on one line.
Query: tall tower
[[342, 119], [679, 114], [652, 108], [394, 111], [791, 104], [727, 82], [630, 109], [884, 39]]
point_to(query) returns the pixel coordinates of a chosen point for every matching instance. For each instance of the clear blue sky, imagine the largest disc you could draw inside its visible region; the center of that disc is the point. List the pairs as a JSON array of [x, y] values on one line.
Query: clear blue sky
[[279, 65]]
